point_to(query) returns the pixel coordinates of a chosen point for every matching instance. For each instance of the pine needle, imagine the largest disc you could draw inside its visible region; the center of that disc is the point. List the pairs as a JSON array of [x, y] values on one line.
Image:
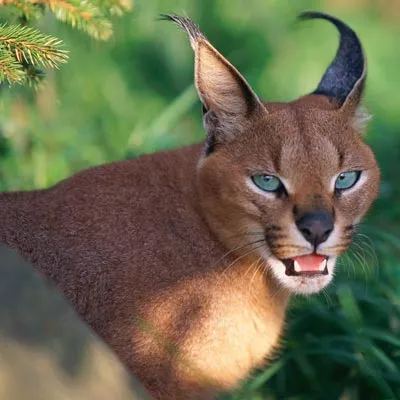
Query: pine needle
[[10, 69], [24, 49], [115, 7], [31, 46], [82, 15], [24, 6]]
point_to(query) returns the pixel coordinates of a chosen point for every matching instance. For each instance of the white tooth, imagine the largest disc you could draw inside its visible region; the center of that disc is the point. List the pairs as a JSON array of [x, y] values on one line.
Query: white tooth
[[322, 266], [297, 267]]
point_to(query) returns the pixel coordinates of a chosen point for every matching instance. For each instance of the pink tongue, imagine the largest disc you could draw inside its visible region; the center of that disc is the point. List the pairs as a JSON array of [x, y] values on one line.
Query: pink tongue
[[310, 262]]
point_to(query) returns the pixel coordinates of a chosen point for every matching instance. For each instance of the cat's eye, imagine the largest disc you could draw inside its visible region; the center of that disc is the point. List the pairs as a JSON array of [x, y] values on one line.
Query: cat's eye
[[268, 183], [346, 180]]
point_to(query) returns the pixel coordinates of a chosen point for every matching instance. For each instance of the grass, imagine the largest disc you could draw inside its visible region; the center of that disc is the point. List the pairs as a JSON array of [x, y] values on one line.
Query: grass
[[344, 343]]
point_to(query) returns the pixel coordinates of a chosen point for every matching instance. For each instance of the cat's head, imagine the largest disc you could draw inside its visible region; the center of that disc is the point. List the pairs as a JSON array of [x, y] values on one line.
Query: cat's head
[[285, 183]]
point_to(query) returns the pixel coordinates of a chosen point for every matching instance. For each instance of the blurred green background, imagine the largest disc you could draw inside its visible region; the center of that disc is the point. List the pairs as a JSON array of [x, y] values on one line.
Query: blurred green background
[[134, 94]]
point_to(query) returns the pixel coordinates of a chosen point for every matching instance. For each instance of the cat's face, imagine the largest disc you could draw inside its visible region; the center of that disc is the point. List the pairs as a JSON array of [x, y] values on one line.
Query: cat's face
[[294, 184], [284, 184]]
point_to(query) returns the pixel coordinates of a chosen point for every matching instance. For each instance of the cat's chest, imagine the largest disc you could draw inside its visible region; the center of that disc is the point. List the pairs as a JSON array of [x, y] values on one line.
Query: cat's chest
[[237, 333]]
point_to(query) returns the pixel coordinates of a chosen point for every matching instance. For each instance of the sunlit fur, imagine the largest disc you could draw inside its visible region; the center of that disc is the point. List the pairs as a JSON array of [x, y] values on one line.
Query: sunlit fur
[[174, 258]]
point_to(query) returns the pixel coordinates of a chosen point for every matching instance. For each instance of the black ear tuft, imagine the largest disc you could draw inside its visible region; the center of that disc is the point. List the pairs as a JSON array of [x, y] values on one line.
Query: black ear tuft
[[347, 71], [187, 24]]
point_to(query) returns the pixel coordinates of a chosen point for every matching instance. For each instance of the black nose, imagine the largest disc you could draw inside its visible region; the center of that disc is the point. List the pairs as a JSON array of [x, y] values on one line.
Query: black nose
[[315, 226]]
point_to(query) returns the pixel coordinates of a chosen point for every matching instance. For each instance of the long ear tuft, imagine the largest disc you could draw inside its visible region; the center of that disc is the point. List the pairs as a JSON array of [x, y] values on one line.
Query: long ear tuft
[[222, 89], [187, 25], [344, 80]]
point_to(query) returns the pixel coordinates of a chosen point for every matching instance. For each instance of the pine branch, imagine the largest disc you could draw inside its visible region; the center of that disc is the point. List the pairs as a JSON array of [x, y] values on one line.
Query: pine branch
[[33, 76], [31, 46], [81, 15], [28, 9], [10, 69], [24, 49], [114, 7]]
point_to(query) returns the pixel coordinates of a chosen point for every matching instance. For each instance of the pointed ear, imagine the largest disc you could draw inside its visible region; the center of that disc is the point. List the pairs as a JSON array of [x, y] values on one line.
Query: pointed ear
[[222, 89], [344, 80]]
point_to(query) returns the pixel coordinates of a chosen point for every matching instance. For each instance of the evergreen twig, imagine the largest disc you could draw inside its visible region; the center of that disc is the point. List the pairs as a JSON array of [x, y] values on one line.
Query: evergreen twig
[[29, 45], [10, 69], [115, 7], [82, 15], [23, 49], [24, 6]]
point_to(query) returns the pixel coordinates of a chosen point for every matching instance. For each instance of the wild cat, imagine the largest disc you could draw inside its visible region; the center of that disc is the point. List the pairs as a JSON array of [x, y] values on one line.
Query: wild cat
[[184, 261]]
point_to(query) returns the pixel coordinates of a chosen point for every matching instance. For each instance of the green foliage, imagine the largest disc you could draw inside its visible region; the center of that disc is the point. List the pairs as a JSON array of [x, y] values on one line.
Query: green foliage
[[10, 68], [134, 95], [346, 342], [29, 46], [114, 7], [24, 49], [84, 16]]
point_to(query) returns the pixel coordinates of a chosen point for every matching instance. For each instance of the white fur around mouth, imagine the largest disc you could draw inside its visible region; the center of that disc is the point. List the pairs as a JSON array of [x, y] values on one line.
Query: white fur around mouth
[[303, 283]]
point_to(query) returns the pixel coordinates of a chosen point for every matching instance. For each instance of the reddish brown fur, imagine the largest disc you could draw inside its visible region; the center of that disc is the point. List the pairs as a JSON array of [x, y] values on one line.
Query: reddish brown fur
[[143, 271], [152, 251], [309, 134]]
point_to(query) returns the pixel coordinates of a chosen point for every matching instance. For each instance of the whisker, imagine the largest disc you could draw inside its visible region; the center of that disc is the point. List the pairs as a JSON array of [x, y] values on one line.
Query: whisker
[[363, 265], [342, 262], [261, 265], [366, 240], [237, 249], [359, 258], [367, 250], [249, 268], [255, 272], [247, 253], [350, 261], [277, 292], [245, 234]]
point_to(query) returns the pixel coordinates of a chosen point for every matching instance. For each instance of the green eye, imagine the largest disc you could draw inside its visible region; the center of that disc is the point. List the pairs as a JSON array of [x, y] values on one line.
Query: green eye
[[346, 180], [268, 183]]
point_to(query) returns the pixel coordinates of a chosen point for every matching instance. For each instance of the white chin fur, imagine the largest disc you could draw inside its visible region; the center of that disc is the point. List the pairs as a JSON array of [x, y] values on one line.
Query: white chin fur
[[301, 284]]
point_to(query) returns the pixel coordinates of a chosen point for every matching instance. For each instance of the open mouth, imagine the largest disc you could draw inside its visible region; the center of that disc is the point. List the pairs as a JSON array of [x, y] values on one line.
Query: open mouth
[[311, 265]]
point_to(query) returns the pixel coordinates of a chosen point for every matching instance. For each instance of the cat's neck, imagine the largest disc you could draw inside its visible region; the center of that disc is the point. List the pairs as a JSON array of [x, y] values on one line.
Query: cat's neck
[[241, 328], [246, 308]]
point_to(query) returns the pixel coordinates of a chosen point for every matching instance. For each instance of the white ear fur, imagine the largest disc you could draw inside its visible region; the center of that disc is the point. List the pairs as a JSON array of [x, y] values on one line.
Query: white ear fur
[[361, 118], [221, 87]]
